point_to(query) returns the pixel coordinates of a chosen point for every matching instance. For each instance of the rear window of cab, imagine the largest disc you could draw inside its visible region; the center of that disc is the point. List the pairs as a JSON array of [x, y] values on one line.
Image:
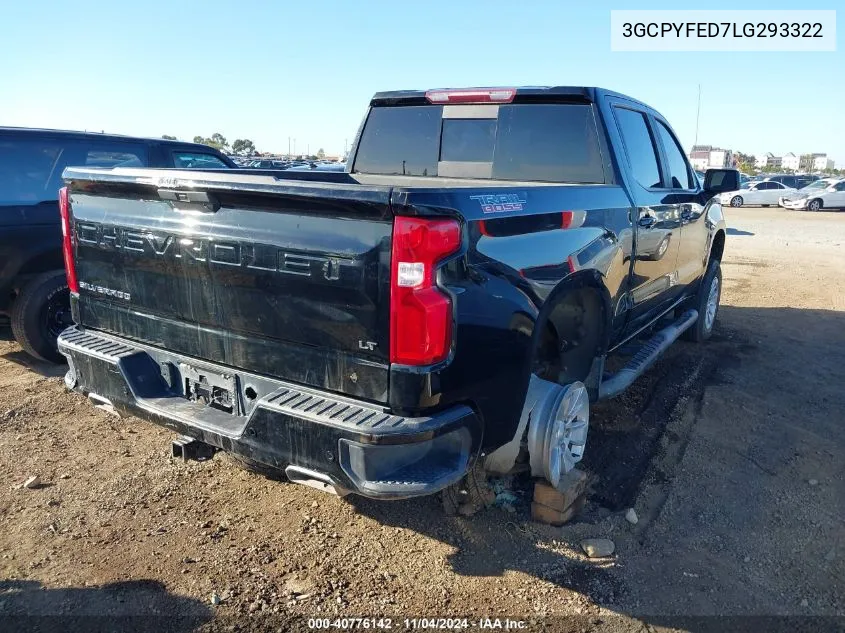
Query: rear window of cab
[[553, 142]]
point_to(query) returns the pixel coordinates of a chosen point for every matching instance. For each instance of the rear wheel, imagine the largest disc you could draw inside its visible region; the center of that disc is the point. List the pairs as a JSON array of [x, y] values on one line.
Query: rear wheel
[[707, 304], [814, 205], [736, 201], [40, 313], [469, 495]]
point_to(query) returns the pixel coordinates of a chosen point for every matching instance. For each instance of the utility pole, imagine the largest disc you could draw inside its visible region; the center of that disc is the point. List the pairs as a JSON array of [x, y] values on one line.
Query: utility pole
[[294, 146], [697, 115], [288, 146]]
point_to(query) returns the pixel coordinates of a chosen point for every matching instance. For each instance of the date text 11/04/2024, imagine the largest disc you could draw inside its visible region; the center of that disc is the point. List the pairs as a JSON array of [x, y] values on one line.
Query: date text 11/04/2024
[[503, 624]]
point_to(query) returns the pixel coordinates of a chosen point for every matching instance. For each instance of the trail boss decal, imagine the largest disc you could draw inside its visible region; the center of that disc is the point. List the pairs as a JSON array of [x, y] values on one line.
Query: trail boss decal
[[501, 202]]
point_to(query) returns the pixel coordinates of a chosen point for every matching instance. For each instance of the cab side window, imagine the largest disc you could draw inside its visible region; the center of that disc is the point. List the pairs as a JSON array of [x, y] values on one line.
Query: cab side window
[[639, 146]]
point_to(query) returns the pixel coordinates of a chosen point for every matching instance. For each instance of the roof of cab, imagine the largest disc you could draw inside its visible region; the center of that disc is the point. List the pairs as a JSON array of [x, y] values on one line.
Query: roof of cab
[[89, 135], [588, 93]]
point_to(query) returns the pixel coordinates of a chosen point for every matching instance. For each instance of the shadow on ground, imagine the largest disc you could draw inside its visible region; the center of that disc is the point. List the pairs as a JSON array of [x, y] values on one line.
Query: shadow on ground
[[740, 232], [129, 607], [49, 370], [632, 449]]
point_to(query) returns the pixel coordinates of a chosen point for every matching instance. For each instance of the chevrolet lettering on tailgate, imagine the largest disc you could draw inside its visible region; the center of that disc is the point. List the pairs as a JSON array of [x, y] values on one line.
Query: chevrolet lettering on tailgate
[[252, 255]]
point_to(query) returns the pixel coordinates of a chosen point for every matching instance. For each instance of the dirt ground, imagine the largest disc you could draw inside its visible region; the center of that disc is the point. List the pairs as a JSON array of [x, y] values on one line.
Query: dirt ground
[[732, 454]]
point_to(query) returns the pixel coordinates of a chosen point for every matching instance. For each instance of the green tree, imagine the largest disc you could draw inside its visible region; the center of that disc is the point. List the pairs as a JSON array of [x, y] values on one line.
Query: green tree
[[218, 140], [321, 153], [243, 147], [167, 137]]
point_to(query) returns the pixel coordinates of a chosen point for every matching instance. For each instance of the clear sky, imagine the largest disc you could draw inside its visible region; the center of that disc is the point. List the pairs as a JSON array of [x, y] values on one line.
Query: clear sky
[[269, 70]]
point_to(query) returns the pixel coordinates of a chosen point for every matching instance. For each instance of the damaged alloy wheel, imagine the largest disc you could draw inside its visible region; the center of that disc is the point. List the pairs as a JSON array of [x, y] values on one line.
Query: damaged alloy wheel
[[553, 429], [557, 429]]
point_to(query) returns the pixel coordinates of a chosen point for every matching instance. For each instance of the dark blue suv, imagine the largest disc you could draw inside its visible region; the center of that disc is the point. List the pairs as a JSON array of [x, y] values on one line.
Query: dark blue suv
[[33, 290]]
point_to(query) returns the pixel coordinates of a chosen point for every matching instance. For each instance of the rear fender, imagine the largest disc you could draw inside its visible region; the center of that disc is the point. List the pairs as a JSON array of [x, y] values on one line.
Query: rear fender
[[715, 223], [577, 281]]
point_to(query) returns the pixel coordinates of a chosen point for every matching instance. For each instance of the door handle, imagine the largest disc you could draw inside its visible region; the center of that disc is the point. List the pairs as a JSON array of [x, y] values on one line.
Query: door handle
[[647, 221]]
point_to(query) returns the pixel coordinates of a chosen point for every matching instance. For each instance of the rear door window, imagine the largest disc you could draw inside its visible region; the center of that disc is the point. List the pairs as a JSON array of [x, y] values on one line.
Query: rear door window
[[197, 160], [27, 169], [31, 168], [640, 147], [116, 157], [516, 142]]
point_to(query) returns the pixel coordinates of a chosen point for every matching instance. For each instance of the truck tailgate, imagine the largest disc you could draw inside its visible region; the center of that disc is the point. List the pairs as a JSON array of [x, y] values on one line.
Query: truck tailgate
[[288, 279]]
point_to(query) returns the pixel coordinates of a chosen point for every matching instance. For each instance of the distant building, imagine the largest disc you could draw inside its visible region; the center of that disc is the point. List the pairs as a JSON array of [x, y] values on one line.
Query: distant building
[[700, 156], [708, 157], [790, 161], [823, 163], [815, 162], [767, 160]]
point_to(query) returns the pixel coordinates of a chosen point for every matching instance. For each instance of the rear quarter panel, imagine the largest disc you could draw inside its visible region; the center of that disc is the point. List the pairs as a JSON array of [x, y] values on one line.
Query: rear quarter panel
[[519, 255]]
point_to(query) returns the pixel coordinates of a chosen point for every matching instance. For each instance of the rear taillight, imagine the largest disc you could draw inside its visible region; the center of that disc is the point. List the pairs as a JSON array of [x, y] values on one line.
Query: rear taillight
[[420, 313], [67, 241]]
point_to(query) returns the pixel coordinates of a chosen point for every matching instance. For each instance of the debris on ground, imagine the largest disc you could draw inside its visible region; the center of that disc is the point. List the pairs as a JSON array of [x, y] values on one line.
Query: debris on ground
[[598, 547], [107, 408], [631, 516], [32, 482], [502, 493]]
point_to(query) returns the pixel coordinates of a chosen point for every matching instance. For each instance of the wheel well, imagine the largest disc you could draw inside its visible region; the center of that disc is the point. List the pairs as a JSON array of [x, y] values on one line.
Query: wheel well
[[571, 337], [42, 263], [718, 248]]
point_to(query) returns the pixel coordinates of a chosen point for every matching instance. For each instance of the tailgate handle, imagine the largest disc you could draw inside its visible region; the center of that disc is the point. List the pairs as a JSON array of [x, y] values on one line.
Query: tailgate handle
[[190, 197]]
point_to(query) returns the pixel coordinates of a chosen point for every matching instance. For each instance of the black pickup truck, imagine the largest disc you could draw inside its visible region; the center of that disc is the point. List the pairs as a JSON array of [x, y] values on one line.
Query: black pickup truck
[[33, 292], [449, 299]]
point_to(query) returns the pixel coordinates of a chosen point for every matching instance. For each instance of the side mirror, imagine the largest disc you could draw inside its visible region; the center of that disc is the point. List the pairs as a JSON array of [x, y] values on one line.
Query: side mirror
[[721, 180]]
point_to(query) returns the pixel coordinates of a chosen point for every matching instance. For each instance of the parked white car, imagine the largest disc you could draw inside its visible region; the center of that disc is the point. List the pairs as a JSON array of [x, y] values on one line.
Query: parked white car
[[827, 193], [758, 193]]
